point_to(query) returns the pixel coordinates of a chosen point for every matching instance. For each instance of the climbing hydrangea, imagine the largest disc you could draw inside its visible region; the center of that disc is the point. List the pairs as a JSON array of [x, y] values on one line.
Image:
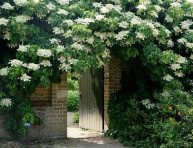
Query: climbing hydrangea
[[52, 37]]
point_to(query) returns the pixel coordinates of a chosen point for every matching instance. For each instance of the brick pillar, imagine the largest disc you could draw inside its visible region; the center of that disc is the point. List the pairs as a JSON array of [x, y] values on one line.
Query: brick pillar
[[112, 76], [54, 116]]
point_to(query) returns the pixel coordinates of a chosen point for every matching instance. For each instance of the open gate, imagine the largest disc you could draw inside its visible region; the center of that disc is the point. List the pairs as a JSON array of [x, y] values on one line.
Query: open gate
[[91, 100]]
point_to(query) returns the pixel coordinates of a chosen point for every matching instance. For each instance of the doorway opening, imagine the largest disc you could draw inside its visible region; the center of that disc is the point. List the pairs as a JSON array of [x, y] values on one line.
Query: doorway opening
[[85, 101]]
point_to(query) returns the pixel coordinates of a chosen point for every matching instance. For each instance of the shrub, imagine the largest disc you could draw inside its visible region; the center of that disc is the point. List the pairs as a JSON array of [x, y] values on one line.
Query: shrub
[[76, 117], [73, 101], [145, 124]]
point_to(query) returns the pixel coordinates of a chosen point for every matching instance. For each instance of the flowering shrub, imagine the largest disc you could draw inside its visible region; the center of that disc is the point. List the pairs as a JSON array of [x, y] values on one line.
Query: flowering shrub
[[42, 38]]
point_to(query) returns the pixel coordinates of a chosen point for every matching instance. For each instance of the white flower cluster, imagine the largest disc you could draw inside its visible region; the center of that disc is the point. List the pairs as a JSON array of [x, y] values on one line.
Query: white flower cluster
[[63, 2], [68, 22], [62, 12], [6, 102], [168, 78], [3, 22], [20, 2], [7, 6], [16, 63], [123, 24], [90, 40], [99, 17], [121, 35], [22, 18], [58, 30], [4, 71], [141, 7], [140, 36], [60, 49], [23, 48], [175, 4], [44, 53], [33, 66], [50, 6], [85, 21], [186, 24], [147, 103], [45, 63], [25, 78], [77, 46]]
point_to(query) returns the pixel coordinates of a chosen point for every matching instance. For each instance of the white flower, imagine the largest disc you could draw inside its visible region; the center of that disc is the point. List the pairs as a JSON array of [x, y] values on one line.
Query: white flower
[[64, 67], [154, 14], [157, 8], [85, 21], [175, 4], [36, 1], [58, 30], [25, 78], [77, 46], [175, 67], [68, 22], [63, 12], [135, 21], [191, 57], [121, 35], [63, 2], [170, 43], [22, 18], [50, 6], [141, 7], [190, 1], [68, 33], [140, 36], [100, 17], [72, 61], [148, 104], [23, 48], [15, 63], [3, 21], [103, 36], [54, 41], [168, 78], [97, 5], [33, 66], [104, 10], [4, 71], [5, 102], [60, 48], [7, 6], [179, 74], [90, 40], [177, 29], [123, 24], [186, 24], [189, 45], [155, 32], [46, 63], [20, 2], [182, 41], [7, 35], [44, 53], [168, 19], [181, 60]]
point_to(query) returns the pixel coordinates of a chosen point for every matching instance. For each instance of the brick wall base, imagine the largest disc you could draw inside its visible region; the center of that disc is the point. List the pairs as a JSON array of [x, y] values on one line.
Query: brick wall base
[[53, 114]]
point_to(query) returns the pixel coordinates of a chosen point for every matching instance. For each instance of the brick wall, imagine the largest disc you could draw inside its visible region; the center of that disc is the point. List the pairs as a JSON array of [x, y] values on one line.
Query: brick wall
[[112, 76], [50, 106]]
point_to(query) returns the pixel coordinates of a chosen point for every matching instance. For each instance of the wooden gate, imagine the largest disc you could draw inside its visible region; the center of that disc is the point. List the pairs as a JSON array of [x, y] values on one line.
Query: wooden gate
[[91, 100]]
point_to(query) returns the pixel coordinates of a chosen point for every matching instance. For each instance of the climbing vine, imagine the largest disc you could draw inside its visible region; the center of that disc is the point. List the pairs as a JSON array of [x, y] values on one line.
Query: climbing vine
[[40, 39]]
